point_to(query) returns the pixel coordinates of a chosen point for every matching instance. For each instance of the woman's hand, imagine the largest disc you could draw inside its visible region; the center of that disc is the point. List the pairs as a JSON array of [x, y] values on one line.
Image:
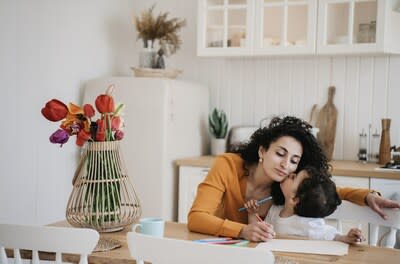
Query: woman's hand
[[258, 232], [377, 203]]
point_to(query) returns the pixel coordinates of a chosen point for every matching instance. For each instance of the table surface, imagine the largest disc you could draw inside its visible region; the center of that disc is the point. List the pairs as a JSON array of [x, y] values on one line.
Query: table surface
[[357, 254]]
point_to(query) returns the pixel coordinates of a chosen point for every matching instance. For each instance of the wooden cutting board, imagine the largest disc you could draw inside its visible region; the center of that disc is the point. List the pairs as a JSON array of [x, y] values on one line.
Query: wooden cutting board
[[326, 122]]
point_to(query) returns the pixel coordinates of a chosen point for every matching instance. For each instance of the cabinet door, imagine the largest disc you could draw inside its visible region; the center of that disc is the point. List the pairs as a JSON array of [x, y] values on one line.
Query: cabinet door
[[389, 189], [189, 179], [225, 27], [355, 182], [351, 26], [285, 27]]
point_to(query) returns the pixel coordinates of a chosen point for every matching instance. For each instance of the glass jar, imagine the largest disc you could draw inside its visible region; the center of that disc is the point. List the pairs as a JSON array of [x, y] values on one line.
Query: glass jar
[[363, 33], [372, 31], [376, 137], [362, 150]]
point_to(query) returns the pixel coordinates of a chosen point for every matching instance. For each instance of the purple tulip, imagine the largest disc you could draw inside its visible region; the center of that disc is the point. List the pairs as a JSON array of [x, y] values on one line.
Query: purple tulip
[[119, 135], [59, 137]]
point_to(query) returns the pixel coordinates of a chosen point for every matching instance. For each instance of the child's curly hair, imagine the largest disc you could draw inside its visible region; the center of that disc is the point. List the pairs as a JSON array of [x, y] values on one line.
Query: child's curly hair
[[316, 194]]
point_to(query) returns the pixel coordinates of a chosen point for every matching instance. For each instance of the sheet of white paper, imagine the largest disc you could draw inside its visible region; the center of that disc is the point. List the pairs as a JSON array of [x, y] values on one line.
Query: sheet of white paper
[[306, 246]]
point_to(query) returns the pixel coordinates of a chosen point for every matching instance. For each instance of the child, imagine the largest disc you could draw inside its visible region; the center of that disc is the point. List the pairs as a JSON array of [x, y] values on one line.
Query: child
[[307, 198]]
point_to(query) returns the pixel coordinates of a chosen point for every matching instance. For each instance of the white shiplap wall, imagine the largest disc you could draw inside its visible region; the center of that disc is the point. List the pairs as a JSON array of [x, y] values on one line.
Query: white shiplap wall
[[48, 49], [249, 89], [367, 89]]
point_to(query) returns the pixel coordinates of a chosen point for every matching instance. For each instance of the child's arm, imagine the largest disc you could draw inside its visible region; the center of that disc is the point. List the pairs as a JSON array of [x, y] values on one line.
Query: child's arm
[[354, 236], [252, 209]]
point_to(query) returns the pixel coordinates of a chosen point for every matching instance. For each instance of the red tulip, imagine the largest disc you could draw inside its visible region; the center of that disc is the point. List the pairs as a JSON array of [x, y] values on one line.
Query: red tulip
[[88, 110], [82, 137], [55, 110], [116, 123], [104, 104], [101, 130]]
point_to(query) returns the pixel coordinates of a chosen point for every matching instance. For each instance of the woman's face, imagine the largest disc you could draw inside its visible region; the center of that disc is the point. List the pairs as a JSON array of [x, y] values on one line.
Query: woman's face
[[281, 158]]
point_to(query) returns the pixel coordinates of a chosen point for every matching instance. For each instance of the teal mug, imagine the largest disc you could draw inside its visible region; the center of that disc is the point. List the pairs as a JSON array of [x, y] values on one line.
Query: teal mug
[[150, 226]]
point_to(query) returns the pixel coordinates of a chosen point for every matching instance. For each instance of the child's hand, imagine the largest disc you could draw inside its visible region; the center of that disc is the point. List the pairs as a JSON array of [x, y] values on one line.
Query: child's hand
[[251, 206], [355, 236]]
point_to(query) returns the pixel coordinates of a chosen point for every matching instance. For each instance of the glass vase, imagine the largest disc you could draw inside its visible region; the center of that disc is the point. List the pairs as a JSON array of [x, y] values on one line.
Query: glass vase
[[103, 196], [147, 56]]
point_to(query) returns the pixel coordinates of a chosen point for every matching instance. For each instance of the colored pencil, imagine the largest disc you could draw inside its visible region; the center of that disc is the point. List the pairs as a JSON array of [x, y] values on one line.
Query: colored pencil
[[261, 201], [227, 242], [243, 243], [259, 218], [211, 240]]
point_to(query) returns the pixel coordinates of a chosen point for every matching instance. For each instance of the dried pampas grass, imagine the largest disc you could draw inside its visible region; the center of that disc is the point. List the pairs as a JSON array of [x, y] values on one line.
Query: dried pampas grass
[[161, 28]]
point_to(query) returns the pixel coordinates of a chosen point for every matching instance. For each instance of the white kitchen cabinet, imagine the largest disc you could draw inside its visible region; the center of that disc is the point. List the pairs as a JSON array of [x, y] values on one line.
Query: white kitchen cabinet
[[389, 189], [355, 182], [256, 27], [358, 26], [189, 179], [301, 27], [285, 27], [225, 27]]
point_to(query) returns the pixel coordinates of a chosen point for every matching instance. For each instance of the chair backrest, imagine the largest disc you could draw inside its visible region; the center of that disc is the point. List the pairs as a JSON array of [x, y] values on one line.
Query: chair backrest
[[348, 211], [59, 240], [174, 251]]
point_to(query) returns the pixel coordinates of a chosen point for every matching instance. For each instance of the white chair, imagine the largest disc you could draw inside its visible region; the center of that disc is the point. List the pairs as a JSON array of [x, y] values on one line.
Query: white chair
[[348, 211], [174, 251], [59, 240]]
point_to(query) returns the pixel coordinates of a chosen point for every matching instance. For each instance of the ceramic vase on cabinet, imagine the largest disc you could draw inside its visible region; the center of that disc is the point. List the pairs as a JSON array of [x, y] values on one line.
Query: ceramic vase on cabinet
[[103, 196], [218, 146]]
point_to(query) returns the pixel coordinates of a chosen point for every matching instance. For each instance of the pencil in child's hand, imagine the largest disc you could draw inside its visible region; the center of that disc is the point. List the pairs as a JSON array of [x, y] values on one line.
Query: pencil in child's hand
[[261, 201]]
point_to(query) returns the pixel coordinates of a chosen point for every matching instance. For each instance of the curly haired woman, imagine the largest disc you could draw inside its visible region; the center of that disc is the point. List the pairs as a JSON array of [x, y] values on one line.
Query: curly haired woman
[[284, 147]]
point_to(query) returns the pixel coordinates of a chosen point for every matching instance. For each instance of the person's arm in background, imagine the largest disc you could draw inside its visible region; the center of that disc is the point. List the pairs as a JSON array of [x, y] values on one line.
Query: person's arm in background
[[371, 198]]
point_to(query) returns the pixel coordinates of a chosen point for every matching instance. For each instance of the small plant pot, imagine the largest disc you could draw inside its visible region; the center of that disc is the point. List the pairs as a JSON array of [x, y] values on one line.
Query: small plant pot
[[218, 146]]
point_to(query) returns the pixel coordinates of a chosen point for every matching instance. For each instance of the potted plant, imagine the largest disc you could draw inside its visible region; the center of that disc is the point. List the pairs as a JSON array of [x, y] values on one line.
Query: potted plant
[[218, 126], [159, 28]]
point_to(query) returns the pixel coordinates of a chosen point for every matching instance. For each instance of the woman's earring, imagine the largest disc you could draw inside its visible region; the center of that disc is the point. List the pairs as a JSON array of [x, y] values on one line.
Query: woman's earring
[[260, 160]]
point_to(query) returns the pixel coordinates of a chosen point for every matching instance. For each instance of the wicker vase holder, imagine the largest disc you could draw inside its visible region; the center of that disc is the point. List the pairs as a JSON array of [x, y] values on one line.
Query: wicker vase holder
[[103, 197]]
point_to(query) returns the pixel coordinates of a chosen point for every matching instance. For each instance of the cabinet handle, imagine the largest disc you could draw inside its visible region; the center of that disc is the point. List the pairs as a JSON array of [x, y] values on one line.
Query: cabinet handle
[[204, 172]]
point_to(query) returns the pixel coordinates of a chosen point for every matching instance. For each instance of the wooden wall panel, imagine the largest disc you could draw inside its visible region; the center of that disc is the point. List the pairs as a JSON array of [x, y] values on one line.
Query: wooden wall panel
[[350, 109], [249, 89]]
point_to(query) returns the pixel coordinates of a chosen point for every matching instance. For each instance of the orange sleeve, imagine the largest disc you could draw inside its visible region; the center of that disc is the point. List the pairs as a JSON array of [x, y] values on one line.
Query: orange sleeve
[[211, 200], [354, 195]]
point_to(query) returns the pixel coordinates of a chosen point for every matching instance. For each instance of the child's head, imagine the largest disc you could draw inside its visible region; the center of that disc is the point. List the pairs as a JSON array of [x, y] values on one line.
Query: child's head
[[312, 192]]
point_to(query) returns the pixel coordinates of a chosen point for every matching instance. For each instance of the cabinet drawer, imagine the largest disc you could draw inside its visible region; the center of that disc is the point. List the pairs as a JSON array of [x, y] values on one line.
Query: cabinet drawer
[[189, 179]]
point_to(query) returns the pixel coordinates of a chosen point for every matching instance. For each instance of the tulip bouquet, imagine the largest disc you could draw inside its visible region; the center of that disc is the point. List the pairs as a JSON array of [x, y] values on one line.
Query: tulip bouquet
[[97, 199], [78, 121]]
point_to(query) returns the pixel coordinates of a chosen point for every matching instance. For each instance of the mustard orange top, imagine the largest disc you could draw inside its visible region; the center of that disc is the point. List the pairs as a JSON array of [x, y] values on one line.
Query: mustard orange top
[[215, 209]]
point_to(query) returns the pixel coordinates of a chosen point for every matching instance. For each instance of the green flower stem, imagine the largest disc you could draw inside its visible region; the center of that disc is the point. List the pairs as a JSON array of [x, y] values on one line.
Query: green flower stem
[[104, 198]]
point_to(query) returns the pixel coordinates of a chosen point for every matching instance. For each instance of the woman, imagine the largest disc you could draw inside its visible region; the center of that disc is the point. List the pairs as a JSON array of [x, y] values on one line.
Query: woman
[[273, 152]]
